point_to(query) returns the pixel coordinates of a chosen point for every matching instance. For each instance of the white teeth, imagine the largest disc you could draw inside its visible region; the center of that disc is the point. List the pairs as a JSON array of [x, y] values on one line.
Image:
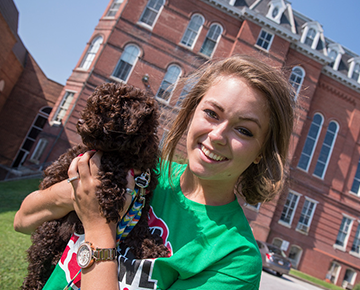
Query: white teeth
[[211, 155]]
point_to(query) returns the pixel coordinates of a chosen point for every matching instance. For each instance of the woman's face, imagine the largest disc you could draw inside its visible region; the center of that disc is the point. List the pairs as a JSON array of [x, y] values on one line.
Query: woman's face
[[227, 130]]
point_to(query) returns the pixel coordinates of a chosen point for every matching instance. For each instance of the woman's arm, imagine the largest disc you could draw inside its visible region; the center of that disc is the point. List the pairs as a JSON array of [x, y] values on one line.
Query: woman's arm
[[43, 205], [104, 274]]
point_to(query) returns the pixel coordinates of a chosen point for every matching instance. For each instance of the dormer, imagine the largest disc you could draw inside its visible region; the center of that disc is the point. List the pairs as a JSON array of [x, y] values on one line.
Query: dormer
[[312, 31], [276, 10], [354, 69], [335, 52]]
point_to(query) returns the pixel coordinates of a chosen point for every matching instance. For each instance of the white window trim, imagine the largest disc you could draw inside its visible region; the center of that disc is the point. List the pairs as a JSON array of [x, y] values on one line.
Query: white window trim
[[217, 41], [84, 60], [39, 150], [317, 27], [280, 5], [352, 252], [331, 150], [315, 143], [147, 26], [197, 35], [343, 248], [311, 217], [133, 66], [161, 100], [288, 225], [352, 192], [270, 43], [53, 122], [353, 61], [111, 8], [340, 51], [255, 208], [302, 79]]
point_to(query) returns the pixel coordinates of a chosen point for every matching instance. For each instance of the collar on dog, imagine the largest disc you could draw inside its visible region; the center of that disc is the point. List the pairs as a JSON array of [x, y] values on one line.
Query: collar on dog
[[131, 218]]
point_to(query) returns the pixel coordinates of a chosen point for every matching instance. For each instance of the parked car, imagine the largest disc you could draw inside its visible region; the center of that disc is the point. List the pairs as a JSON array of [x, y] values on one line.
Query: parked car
[[274, 258]]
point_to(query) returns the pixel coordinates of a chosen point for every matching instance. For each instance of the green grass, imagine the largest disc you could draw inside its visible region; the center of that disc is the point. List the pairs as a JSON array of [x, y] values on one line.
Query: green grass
[[314, 280], [13, 265]]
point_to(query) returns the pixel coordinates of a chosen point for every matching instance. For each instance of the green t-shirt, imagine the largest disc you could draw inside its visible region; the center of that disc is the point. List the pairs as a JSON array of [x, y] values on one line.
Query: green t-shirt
[[212, 247]]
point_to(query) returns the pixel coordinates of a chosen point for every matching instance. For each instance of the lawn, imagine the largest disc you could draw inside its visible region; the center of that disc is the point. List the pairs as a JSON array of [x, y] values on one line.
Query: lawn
[[13, 265], [314, 280]]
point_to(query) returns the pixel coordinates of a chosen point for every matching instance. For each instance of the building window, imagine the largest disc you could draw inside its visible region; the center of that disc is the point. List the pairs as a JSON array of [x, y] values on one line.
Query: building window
[[90, 54], [168, 83], [190, 83], [127, 62], [355, 188], [63, 107], [212, 38], [344, 232], [326, 149], [310, 143], [306, 216], [163, 137], [114, 8], [333, 272], [295, 255], [356, 244], [264, 40], [289, 208], [29, 141], [333, 55], [296, 79], [38, 151], [349, 279], [151, 12], [192, 31], [310, 36], [356, 72]]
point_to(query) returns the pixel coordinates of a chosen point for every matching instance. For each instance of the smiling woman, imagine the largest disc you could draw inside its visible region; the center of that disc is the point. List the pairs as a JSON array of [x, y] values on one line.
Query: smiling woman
[[233, 116]]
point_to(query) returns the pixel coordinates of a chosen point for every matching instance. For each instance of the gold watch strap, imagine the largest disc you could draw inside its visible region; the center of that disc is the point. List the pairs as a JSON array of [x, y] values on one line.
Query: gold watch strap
[[104, 254]]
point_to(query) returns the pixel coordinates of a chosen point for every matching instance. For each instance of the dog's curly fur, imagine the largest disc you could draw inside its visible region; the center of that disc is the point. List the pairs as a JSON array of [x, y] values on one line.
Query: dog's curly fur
[[121, 121]]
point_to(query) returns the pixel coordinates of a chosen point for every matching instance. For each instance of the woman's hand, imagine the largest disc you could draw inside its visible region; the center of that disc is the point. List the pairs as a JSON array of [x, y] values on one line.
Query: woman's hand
[[86, 205], [97, 231]]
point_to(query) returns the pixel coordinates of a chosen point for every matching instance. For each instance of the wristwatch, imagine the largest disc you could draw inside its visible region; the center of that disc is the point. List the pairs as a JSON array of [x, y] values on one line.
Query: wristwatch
[[87, 255]]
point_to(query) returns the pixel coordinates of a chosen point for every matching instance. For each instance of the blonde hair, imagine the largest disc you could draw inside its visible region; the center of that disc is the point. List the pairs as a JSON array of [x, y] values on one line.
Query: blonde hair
[[259, 182]]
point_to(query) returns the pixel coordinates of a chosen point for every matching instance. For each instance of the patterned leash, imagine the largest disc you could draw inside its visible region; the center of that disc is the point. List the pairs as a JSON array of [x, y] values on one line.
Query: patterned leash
[[131, 218]]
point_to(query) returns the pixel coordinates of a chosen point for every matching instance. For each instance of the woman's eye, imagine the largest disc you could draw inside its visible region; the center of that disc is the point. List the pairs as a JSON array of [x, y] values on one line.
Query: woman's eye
[[211, 113], [245, 132]]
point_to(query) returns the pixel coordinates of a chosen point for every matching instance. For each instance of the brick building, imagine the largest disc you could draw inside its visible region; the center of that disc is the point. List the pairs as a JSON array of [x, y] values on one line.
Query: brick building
[[152, 43], [26, 95]]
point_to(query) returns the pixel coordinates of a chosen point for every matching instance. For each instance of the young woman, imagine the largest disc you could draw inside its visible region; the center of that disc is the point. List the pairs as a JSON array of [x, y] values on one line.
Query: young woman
[[238, 119]]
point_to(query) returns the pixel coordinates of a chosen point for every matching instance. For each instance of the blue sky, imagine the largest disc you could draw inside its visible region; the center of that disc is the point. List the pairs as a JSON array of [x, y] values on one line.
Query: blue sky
[[56, 32]]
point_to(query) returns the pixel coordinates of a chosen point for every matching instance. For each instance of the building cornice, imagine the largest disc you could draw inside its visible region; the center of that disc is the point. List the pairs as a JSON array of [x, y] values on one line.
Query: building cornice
[[344, 79], [308, 51], [333, 90]]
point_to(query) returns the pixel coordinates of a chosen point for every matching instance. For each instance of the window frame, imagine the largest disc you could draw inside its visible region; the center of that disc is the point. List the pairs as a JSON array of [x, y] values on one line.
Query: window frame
[[302, 227], [126, 54], [356, 179], [307, 27], [315, 142], [192, 31], [347, 235], [330, 150], [294, 82], [172, 86], [141, 22], [356, 242], [91, 53], [62, 107], [264, 40], [208, 38], [292, 214], [114, 8]]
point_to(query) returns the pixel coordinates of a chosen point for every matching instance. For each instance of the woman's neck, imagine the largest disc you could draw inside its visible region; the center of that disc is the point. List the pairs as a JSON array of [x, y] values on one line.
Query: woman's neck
[[209, 192]]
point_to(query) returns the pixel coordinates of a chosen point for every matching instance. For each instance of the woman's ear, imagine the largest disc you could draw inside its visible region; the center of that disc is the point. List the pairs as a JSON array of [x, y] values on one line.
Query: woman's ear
[[257, 159]]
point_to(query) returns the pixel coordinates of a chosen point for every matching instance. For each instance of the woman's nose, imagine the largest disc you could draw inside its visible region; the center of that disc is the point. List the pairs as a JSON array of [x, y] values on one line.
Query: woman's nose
[[218, 134]]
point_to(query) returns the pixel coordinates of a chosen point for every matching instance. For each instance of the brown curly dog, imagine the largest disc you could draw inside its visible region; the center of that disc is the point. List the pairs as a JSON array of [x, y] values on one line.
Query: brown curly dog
[[121, 121]]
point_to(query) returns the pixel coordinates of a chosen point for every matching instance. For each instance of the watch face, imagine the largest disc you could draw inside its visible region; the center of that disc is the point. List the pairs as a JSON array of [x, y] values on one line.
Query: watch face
[[83, 256]]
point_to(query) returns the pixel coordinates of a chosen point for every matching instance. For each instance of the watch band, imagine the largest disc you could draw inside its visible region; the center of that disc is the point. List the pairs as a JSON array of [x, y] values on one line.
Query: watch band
[[104, 254]]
